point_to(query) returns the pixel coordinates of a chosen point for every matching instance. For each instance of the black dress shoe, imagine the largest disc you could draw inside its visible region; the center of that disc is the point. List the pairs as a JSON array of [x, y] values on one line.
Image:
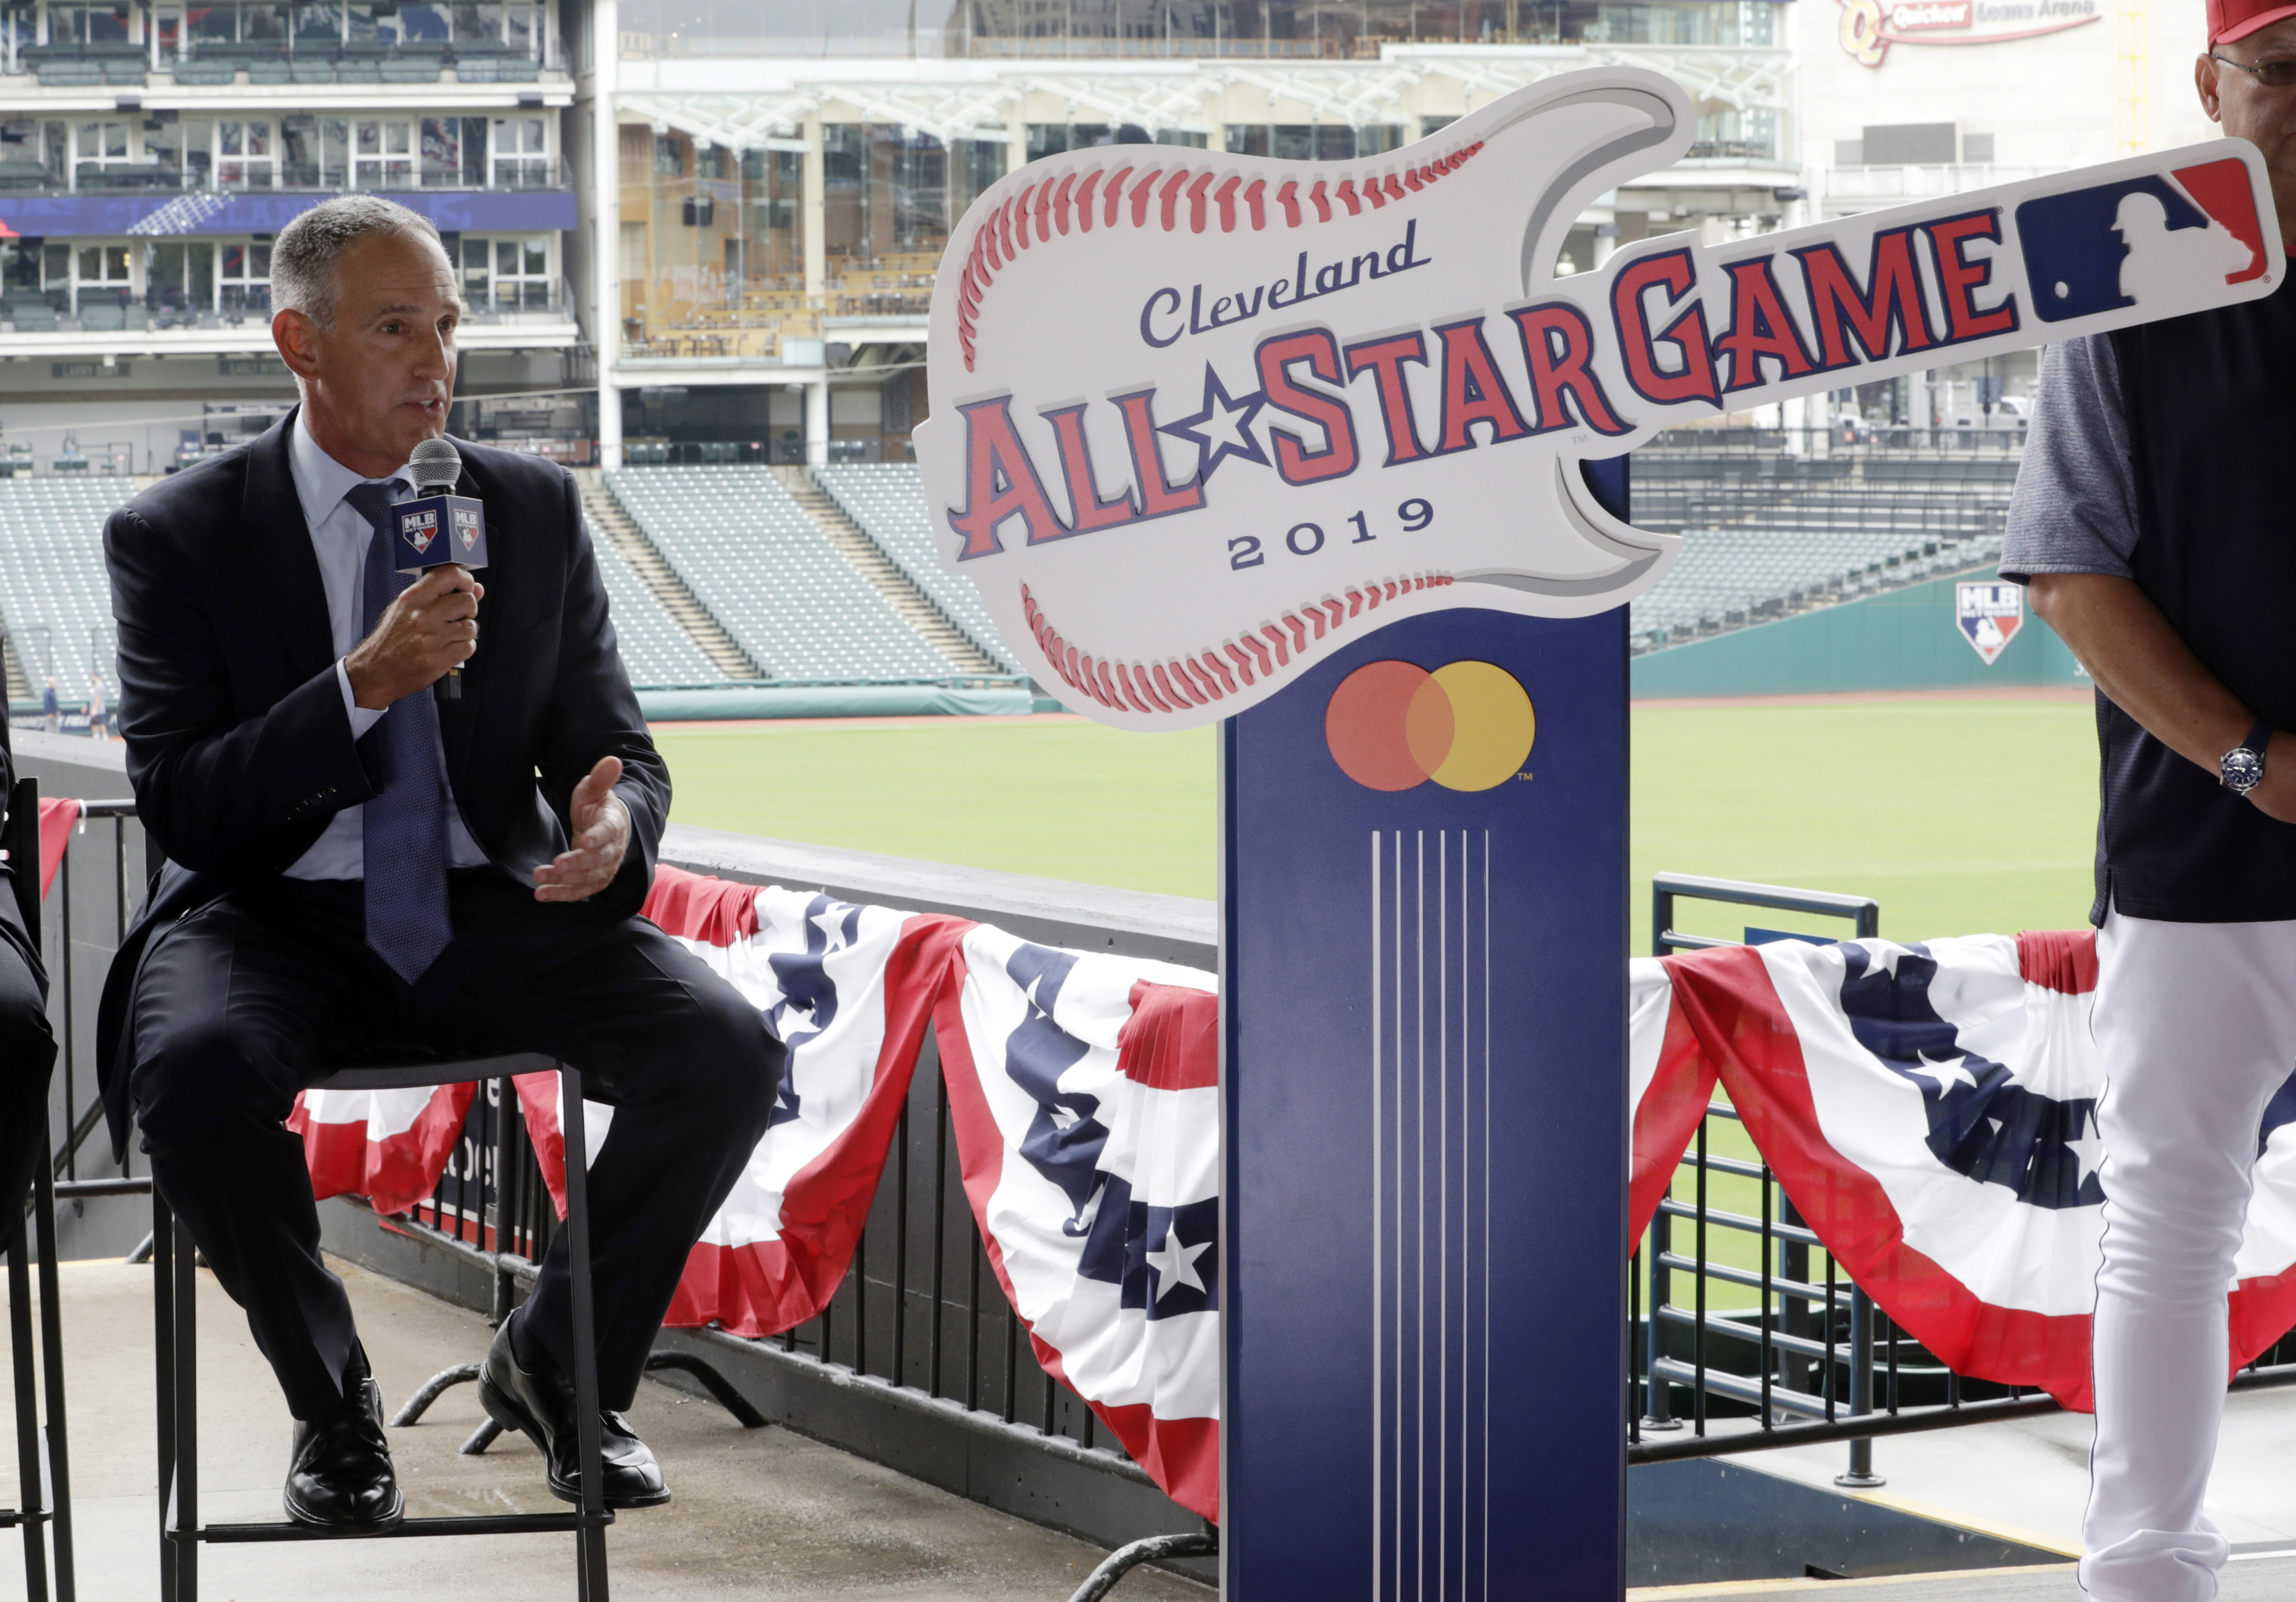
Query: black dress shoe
[[341, 1476], [538, 1403]]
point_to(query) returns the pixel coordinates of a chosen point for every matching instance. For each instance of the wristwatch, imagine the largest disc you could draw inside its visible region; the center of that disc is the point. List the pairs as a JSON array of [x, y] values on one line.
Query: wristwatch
[[2244, 765]]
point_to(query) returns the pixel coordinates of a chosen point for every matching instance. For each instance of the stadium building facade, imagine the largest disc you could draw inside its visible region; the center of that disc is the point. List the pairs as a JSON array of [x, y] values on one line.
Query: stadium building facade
[[788, 174], [1905, 99], [150, 151]]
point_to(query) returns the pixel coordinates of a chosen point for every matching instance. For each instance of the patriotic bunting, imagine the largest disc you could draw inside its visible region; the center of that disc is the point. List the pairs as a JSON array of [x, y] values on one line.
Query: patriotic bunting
[[1085, 1089], [1084, 1092], [1931, 1112], [1930, 1109]]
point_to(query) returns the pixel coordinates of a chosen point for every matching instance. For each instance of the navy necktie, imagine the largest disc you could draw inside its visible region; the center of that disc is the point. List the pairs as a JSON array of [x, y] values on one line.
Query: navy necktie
[[407, 922]]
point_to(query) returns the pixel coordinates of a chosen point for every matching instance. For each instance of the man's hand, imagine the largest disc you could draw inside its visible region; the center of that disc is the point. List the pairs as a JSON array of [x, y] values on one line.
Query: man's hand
[[432, 626], [602, 834]]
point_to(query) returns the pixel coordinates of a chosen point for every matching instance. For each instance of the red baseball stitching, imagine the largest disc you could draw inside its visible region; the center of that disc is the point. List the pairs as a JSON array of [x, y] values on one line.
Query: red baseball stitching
[[1171, 199], [1179, 683]]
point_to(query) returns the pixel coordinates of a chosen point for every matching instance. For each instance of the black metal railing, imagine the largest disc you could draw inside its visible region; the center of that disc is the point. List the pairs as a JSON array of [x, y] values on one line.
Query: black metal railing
[[1777, 1337], [920, 1306]]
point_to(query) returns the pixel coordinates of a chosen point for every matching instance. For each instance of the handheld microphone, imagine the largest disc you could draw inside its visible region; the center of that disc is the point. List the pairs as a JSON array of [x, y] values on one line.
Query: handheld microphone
[[438, 527]]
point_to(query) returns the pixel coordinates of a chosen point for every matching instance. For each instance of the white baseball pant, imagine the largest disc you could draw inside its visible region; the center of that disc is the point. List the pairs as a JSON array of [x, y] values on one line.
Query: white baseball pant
[[2197, 1024]]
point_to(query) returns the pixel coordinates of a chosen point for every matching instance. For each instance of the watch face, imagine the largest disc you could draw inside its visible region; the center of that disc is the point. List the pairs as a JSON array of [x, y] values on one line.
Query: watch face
[[2242, 768]]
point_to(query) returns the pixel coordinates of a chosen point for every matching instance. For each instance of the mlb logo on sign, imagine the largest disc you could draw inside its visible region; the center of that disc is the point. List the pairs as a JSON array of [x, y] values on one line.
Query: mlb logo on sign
[[2144, 241], [1990, 615], [418, 530]]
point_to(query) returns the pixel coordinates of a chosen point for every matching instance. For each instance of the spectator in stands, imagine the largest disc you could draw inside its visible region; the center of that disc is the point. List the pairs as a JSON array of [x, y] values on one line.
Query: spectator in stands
[[2150, 519], [52, 712], [355, 867], [28, 1049], [99, 721]]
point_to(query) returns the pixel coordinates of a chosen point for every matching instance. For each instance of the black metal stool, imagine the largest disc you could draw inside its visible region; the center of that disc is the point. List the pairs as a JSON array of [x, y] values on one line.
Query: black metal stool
[[42, 1465], [180, 1530], [42, 1462]]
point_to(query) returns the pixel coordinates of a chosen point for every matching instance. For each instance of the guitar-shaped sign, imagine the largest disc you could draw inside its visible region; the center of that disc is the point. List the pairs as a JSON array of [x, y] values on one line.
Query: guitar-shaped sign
[[1195, 418]]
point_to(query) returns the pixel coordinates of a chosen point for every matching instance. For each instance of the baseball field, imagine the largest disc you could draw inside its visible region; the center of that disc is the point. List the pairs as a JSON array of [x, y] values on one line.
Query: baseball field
[[1958, 815]]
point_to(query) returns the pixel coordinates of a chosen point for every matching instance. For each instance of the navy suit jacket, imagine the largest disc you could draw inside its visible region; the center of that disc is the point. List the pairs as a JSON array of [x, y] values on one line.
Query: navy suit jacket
[[239, 746]]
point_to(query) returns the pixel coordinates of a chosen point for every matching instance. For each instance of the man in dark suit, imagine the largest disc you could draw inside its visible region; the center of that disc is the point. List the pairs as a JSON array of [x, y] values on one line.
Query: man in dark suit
[[27, 1048], [356, 867]]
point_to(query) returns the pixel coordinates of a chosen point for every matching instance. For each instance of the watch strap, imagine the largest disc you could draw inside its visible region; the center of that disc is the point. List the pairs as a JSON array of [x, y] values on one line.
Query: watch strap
[[2259, 738]]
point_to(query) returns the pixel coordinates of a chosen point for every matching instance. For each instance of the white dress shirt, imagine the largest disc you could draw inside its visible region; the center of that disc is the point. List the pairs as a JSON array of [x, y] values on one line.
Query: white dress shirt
[[340, 536]]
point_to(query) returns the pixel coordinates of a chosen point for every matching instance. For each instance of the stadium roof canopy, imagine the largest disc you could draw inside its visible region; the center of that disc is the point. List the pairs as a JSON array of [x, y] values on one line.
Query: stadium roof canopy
[[979, 100]]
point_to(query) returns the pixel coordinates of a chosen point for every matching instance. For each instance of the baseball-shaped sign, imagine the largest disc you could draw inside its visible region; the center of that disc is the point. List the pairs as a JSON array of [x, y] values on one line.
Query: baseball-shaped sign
[[1196, 417]]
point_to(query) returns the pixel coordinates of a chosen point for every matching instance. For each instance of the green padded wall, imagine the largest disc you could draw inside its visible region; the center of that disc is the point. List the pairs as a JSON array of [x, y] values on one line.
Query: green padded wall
[[1902, 639]]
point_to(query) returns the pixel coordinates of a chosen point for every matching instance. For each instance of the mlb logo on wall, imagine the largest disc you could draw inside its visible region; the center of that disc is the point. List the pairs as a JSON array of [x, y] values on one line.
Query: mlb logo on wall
[[1990, 615]]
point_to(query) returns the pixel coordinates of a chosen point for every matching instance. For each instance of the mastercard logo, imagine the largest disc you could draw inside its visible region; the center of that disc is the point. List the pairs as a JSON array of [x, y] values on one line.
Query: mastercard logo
[[1394, 726]]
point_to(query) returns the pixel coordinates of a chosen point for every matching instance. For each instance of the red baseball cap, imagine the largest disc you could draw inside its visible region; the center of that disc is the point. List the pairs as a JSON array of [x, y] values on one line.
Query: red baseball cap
[[2230, 20]]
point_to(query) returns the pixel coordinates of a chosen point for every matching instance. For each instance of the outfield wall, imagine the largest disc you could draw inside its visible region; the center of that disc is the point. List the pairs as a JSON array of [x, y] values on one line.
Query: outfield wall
[[1902, 639]]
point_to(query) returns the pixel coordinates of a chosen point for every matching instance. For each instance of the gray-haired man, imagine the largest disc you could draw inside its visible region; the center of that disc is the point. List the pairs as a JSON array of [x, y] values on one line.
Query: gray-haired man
[[356, 866]]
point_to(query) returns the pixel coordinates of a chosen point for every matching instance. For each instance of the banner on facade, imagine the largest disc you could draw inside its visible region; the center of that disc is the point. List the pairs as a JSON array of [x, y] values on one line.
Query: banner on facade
[[1198, 418]]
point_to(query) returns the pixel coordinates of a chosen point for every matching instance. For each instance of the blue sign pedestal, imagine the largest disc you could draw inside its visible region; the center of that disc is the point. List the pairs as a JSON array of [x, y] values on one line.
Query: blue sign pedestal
[[1424, 1087]]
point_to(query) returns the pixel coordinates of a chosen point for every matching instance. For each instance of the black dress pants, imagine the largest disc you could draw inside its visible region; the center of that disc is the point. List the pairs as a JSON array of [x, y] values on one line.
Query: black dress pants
[[243, 1003], [27, 1054]]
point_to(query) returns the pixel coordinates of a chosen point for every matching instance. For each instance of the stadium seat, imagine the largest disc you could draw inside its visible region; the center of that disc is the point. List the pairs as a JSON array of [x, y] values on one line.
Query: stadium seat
[[770, 577], [1800, 532], [888, 500], [55, 601], [655, 650]]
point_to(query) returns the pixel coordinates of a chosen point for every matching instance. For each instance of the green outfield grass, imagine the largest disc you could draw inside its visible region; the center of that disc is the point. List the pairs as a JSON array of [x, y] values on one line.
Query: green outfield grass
[[1958, 816], [1060, 797]]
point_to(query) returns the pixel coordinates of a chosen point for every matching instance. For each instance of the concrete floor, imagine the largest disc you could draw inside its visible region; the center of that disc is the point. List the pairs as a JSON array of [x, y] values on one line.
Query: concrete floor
[[2027, 1479], [2265, 1578], [767, 1514], [762, 1514]]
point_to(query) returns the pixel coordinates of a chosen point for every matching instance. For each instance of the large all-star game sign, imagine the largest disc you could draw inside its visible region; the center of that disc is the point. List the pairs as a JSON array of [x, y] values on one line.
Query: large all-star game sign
[[1312, 448]]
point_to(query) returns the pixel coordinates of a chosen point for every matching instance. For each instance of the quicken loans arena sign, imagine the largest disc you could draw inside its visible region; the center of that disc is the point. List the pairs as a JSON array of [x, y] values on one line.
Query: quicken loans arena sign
[[1196, 418], [1870, 26]]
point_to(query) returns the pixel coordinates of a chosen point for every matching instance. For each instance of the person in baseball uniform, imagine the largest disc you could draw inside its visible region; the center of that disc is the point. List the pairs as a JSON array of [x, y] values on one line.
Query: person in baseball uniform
[[2151, 522]]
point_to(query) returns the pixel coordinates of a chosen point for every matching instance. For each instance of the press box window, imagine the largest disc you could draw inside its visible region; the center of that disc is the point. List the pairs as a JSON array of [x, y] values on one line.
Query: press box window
[[521, 153], [508, 274], [245, 277]]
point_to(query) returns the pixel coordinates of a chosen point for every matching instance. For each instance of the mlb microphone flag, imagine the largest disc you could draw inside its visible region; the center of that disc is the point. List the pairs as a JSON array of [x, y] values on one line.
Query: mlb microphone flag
[[435, 530]]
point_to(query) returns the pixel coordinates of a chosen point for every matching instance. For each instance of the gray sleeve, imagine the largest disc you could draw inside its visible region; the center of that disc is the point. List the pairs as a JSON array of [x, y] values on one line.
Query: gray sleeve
[[2074, 509]]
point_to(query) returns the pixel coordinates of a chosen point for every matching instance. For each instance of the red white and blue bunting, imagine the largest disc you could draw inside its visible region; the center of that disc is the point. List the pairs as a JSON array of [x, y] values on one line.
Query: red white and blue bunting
[[1930, 1109], [1082, 1090], [1931, 1112]]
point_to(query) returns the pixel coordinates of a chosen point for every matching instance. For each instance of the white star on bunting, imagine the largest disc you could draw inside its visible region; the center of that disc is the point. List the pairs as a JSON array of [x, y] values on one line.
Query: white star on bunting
[[1176, 1264]]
